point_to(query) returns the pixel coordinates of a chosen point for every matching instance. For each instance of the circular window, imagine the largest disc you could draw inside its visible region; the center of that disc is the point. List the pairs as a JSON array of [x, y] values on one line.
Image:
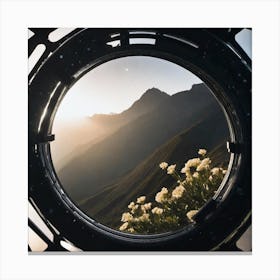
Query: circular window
[[140, 144], [141, 140]]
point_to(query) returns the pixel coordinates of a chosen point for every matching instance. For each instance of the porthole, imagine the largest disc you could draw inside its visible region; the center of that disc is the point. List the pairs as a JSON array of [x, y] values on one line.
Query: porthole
[[133, 163]]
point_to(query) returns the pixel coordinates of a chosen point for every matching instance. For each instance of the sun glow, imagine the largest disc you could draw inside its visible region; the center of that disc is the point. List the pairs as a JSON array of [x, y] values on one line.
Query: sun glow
[[73, 108], [115, 85]]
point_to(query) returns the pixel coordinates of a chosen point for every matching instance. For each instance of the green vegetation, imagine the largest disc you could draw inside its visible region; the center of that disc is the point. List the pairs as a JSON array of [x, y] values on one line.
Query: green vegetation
[[128, 138], [146, 178], [120, 163], [174, 207]]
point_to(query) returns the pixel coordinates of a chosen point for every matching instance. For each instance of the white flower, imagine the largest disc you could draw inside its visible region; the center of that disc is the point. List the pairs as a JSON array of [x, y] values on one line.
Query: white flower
[[123, 226], [204, 164], [157, 210], [190, 214], [210, 178], [171, 169], [161, 196], [131, 230], [141, 199], [131, 205], [126, 217], [148, 206], [195, 174], [163, 165], [185, 169], [144, 218], [202, 152], [178, 192], [194, 162], [133, 210], [215, 171]]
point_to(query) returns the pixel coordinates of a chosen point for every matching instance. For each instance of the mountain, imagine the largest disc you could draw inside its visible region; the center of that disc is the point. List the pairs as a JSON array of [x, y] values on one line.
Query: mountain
[[148, 101], [147, 178], [85, 133], [100, 164]]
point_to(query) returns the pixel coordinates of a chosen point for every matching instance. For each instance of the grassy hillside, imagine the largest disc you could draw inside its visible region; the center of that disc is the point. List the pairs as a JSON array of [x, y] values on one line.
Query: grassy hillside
[[147, 178], [85, 133], [103, 163]]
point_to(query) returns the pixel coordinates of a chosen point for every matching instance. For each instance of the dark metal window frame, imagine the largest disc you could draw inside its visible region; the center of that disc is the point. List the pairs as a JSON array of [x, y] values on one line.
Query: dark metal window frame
[[212, 55]]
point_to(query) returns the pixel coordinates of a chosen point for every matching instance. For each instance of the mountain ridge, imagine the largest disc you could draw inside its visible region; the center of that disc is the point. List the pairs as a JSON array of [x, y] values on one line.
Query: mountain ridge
[[107, 124], [103, 162], [147, 178]]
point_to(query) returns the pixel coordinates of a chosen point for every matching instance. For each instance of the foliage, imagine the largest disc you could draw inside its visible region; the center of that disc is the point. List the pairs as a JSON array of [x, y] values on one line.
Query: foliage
[[174, 207]]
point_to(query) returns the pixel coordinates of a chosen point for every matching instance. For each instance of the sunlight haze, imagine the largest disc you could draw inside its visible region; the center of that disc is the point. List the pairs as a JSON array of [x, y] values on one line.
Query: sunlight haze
[[113, 86]]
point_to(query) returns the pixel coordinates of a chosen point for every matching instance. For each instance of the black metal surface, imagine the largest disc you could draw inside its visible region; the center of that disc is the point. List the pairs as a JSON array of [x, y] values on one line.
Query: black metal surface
[[216, 60]]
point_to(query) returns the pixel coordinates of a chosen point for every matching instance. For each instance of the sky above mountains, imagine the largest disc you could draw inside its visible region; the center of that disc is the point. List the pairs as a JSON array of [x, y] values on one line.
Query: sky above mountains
[[113, 86]]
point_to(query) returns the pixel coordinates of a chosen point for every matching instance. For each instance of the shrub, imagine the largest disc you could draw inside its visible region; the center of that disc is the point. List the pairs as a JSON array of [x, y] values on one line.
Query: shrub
[[175, 207]]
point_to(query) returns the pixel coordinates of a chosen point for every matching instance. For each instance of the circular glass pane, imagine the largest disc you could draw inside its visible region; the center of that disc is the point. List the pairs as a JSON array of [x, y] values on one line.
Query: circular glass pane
[[140, 145]]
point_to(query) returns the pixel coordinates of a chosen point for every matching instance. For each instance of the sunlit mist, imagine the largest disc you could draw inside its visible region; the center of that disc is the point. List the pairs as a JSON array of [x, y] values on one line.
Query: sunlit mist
[[113, 86]]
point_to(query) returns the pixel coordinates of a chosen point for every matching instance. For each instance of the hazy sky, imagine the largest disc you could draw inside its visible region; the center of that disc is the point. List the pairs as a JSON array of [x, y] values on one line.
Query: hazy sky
[[113, 86]]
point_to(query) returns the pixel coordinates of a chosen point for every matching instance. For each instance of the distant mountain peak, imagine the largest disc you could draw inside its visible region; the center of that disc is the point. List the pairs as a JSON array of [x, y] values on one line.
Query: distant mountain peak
[[150, 98], [196, 88], [200, 85], [153, 91]]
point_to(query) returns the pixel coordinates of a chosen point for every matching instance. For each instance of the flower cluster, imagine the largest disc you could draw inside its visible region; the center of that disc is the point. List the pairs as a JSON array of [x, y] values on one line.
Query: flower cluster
[[176, 206]]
